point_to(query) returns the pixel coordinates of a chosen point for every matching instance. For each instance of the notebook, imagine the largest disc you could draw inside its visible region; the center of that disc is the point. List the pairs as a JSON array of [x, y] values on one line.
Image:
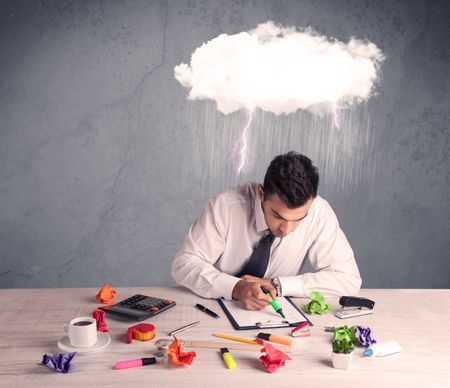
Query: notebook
[[266, 318]]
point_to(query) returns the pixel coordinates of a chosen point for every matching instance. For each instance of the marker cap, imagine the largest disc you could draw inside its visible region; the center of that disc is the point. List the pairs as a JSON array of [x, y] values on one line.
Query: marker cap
[[264, 336], [149, 361]]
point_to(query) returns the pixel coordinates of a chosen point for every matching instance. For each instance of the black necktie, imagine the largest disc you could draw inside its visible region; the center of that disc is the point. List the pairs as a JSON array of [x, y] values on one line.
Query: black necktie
[[259, 260]]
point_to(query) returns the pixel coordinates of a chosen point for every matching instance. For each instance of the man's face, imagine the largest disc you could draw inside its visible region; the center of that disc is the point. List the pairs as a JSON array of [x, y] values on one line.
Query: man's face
[[279, 218]]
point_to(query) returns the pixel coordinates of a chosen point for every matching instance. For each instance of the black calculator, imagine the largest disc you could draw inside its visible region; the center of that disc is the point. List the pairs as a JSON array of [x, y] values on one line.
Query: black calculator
[[139, 307]]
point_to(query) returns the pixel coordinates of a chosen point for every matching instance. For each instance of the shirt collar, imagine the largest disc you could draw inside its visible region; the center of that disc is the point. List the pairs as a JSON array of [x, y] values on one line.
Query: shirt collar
[[261, 225]]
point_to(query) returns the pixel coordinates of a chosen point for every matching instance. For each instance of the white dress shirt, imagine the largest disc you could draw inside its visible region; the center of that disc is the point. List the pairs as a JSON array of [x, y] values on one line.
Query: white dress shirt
[[221, 241]]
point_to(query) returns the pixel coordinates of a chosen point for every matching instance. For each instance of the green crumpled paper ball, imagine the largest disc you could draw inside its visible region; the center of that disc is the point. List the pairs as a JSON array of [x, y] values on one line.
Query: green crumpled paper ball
[[317, 305]]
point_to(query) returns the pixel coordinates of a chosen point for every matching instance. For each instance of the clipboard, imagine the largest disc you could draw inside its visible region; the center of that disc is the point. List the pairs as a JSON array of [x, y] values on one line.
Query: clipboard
[[266, 318]]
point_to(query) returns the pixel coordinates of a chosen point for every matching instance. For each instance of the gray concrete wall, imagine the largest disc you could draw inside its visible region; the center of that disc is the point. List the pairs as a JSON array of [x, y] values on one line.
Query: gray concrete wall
[[104, 164]]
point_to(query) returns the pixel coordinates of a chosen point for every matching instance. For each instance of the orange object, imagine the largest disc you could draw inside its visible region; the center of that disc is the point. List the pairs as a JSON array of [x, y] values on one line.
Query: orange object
[[177, 356], [141, 332], [106, 294], [275, 338]]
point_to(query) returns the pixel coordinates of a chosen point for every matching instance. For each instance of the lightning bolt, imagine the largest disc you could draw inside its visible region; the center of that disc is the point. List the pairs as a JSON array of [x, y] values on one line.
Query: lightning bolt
[[336, 115], [240, 149]]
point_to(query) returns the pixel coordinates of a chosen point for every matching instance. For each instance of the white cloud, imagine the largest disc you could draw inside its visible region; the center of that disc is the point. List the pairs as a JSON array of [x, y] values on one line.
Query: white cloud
[[280, 70]]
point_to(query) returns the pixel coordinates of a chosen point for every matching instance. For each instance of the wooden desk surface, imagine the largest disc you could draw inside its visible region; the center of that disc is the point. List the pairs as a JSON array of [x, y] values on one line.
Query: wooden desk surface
[[31, 322]]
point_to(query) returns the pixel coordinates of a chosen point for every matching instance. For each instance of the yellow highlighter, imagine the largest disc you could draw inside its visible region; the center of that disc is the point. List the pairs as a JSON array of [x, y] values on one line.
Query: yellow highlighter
[[228, 358]]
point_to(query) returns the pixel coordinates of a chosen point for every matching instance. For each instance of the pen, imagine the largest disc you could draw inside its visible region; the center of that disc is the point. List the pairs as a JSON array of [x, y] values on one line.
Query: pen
[[274, 303], [207, 311], [184, 328], [230, 337], [135, 363], [228, 358], [275, 338]]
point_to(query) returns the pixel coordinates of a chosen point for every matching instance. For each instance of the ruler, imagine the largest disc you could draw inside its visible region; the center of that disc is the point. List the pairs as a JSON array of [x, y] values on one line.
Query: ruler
[[229, 345], [218, 345], [164, 343]]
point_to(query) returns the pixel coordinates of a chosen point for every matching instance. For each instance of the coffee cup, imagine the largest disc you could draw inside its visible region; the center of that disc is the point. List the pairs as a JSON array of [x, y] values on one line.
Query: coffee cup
[[82, 332]]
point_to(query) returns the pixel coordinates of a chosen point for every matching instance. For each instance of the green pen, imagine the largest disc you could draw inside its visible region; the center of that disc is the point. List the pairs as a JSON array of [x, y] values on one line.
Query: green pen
[[273, 303]]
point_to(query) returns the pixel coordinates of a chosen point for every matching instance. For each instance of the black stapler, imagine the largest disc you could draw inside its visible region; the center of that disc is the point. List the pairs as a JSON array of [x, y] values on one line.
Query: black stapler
[[353, 306]]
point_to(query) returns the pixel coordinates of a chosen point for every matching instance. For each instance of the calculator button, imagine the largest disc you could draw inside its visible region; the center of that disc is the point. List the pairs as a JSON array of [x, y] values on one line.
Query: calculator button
[[154, 308]]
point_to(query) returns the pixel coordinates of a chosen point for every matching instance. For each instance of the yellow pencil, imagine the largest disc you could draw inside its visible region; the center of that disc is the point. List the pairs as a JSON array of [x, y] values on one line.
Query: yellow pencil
[[229, 337]]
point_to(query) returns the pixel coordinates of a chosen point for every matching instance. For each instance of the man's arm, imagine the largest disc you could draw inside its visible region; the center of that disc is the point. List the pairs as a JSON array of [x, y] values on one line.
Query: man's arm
[[193, 265], [332, 259]]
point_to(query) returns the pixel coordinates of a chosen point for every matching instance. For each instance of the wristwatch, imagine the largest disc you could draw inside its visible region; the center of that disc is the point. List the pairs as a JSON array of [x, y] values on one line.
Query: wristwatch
[[277, 285]]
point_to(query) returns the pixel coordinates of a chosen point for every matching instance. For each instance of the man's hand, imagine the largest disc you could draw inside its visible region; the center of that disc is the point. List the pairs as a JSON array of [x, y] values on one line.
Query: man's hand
[[262, 282], [250, 295]]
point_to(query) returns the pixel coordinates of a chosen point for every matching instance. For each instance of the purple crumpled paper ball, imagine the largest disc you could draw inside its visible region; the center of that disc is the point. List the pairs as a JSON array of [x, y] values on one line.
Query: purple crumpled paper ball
[[364, 336], [59, 362]]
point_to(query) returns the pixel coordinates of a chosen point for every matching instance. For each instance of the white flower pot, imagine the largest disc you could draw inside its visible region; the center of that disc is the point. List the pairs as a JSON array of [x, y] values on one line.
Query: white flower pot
[[342, 360]]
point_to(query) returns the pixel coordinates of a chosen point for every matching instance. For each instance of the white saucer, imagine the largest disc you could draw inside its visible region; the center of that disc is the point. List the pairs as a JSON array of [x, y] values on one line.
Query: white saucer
[[103, 341]]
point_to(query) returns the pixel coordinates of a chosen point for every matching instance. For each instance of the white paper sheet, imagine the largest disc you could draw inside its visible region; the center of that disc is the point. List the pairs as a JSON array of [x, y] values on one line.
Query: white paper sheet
[[266, 317]]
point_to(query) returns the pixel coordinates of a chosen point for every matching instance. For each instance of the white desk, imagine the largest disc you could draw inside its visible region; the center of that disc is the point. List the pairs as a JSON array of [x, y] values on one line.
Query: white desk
[[31, 322]]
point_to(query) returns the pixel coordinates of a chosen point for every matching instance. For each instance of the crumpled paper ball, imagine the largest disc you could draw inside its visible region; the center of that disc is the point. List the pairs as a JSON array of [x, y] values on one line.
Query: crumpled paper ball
[[317, 305], [364, 336], [59, 362]]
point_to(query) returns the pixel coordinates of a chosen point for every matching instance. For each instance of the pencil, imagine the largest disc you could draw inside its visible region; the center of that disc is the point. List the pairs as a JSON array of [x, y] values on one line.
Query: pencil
[[230, 337]]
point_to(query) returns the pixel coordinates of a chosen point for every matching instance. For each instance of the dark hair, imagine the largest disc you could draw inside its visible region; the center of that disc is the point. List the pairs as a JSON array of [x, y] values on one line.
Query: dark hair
[[293, 177]]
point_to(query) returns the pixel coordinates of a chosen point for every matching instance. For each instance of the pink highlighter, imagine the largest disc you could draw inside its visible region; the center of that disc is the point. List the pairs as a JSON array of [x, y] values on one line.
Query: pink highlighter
[[138, 362]]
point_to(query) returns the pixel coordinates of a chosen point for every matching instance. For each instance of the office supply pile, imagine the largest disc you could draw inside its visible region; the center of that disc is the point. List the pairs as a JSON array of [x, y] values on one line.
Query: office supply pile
[[88, 334]]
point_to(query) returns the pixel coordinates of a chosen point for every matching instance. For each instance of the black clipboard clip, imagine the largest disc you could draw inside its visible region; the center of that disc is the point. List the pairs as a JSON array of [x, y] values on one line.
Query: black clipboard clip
[[353, 306]]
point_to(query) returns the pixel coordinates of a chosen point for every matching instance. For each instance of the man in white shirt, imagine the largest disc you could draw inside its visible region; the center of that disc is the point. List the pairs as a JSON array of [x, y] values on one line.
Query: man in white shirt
[[216, 256]]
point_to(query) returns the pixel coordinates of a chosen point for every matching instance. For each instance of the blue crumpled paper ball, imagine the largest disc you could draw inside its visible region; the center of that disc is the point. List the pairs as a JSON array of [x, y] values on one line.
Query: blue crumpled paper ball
[[59, 362], [364, 336]]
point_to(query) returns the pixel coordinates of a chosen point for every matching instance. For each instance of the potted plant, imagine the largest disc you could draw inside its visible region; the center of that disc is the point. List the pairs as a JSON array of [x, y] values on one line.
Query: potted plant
[[343, 346]]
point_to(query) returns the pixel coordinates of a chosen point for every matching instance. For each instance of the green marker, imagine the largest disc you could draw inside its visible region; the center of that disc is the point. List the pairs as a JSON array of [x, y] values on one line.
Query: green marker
[[273, 303]]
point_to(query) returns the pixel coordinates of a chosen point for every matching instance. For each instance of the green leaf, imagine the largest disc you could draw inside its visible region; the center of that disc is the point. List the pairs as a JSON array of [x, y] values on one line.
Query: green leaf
[[343, 339]]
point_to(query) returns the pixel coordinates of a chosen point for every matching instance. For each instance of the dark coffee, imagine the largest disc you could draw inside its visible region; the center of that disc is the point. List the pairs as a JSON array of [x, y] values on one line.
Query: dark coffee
[[82, 323]]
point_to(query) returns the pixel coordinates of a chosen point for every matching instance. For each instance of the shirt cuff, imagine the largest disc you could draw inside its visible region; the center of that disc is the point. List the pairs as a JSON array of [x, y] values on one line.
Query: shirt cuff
[[224, 284], [292, 286]]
